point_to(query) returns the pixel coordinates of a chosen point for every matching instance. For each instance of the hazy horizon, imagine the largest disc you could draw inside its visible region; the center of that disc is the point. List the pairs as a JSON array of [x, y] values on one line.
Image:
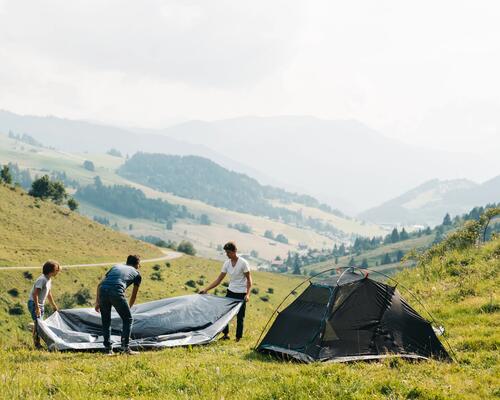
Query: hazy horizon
[[424, 74]]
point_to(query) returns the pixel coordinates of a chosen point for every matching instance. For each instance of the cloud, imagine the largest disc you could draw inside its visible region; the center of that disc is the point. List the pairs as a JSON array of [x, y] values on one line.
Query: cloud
[[215, 43]]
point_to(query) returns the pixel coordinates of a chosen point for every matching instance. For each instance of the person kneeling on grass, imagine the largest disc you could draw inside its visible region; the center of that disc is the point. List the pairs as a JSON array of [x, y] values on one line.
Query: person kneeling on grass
[[41, 291], [111, 292], [239, 285]]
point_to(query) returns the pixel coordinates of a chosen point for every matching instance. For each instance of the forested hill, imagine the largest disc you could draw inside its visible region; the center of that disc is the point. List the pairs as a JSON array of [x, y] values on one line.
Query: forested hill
[[199, 178]]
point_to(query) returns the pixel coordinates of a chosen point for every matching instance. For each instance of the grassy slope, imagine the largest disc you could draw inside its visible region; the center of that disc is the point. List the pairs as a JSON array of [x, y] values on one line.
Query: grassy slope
[[33, 231], [375, 255], [460, 289]]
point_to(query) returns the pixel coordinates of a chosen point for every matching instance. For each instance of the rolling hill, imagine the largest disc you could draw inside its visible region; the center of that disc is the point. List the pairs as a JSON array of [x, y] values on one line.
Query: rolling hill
[[32, 231], [428, 203], [205, 238]]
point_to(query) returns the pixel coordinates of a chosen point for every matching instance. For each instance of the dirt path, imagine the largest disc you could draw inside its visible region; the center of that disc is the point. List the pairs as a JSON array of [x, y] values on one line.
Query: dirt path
[[169, 255]]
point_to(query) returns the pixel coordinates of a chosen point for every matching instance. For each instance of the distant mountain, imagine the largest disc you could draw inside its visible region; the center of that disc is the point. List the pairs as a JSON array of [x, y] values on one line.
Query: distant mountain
[[342, 162], [79, 137], [429, 202]]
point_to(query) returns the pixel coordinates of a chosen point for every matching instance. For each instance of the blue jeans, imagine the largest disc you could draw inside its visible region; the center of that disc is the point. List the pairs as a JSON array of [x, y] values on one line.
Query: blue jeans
[[108, 298], [31, 308]]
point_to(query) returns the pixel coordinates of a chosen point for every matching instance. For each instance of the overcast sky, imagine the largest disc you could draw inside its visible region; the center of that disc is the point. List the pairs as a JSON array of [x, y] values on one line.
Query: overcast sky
[[426, 72]]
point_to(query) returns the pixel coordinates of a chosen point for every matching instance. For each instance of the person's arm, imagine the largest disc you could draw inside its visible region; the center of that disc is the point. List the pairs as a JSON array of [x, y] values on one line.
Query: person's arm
[[97, 306], [215, 283], [134, 295], [36, 292], [51, 300], [249, 285]]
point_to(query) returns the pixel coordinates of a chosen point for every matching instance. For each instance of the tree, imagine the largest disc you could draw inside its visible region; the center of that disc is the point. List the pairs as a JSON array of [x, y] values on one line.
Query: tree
[[169, 226], [341, 252], [447, 220], [5, 175], [114, 152], [41, 188], [186, 247], [394, 235], [205, 220], [296, 265], [399, 255], [58, 192], [386, 259], [403, 235], [352, 263], [72, 204], [281, 238], [89, 165], [364, 263], [269, 234]]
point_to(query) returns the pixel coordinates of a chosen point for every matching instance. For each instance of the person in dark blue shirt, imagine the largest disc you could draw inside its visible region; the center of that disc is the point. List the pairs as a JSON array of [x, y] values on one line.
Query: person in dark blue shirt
[[111, 293]]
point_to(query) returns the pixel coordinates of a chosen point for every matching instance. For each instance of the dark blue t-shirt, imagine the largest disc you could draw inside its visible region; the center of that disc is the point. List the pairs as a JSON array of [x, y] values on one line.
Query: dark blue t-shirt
[[120, 277]]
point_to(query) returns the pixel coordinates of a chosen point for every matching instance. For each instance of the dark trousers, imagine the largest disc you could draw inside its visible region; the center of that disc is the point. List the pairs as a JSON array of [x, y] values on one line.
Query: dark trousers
[[241, 314], [112, 298]]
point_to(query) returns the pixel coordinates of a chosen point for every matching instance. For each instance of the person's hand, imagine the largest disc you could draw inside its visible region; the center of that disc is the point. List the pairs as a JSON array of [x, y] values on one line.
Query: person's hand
[[203, 291], [97, 307], [38, 312], [247, 297]]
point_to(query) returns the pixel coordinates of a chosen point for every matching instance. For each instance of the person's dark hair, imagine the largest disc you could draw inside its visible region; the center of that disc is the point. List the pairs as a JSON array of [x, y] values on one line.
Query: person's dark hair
[[230, 246], [133, 260], [49, 266]]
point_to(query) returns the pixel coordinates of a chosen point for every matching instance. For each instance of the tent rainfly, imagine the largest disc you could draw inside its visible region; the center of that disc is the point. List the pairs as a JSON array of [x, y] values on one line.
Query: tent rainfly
[[176, 321], [351, 319]]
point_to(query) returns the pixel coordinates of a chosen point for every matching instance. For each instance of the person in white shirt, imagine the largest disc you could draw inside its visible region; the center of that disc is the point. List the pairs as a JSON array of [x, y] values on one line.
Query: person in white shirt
[[239, 285]]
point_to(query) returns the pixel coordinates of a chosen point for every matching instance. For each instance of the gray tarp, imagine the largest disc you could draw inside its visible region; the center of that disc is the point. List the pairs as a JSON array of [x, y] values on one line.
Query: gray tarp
[[176, 321]]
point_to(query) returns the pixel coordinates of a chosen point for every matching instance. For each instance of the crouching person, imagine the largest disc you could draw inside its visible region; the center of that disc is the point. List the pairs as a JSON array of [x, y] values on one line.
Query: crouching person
[[239, 285], [42, 290], [111, 293]]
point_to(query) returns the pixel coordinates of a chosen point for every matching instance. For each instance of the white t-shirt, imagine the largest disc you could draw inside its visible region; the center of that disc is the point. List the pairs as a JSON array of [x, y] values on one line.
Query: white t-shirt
[[44, 284], [238, 280]]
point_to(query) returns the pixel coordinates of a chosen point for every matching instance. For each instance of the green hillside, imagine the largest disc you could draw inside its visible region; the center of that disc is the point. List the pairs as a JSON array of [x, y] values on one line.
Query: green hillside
[[459, 287], [32, 231]]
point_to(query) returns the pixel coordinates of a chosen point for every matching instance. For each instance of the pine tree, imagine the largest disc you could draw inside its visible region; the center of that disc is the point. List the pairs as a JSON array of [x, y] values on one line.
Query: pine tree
[[386, 259], [403, 235], [364, 263], [394, 236], [296, 265], [72, 204], [447, 220], [5, 175], [352, 263]]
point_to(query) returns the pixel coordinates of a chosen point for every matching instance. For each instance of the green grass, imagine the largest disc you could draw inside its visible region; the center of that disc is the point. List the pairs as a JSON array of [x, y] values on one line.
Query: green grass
[[32, 231], [460, 290]]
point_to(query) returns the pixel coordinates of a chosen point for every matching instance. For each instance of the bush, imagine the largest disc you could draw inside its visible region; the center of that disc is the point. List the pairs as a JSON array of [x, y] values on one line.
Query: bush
[[186, 248], [16, 309], [191, 283], [264, 298], [82, 297], [156, 276], [270, 290], [200, 282], [255, 291], [89, 165], [157, 267], [225, 284], [167, 264], [66, 300], [28, 275], [13, 292]]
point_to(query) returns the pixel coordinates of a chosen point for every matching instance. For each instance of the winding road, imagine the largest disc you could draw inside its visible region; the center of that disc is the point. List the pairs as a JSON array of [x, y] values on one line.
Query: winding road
[[169, 255]]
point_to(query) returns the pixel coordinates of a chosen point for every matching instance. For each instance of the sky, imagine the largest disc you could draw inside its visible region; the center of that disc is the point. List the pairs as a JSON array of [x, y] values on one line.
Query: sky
[[424, 72]]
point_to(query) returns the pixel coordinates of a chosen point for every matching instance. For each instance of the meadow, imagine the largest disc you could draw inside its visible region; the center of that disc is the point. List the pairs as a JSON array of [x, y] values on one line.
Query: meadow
[[459, 289]]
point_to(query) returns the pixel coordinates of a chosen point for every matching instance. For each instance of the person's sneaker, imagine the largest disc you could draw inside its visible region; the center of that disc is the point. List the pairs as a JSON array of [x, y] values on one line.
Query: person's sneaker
[[109, 352], [129, 352], [225, 337], [238, 339], [38, 346]]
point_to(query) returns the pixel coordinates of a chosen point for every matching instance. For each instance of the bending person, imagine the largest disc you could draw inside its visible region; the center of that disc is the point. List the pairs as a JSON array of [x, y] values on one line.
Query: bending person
[[111, 292], [239, 285]]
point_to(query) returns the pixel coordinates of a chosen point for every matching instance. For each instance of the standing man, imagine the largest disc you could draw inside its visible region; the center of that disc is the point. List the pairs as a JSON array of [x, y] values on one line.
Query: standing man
[[111, 292], [239, 285]]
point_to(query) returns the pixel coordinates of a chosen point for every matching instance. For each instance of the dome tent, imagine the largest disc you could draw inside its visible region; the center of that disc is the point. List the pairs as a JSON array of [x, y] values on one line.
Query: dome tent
[[351, 319]]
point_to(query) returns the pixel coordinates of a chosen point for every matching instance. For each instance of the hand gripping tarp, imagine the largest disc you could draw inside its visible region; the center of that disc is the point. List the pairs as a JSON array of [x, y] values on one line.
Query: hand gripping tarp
[[176, 321]]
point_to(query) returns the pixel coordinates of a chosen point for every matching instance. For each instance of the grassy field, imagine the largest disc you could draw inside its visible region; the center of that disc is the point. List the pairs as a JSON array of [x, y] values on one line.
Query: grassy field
[[374, 256], [460, 290], [32, 231]]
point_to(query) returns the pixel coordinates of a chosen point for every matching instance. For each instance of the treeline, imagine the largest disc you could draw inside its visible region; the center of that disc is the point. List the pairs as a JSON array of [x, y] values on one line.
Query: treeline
[[201, 179], [130, 202]]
